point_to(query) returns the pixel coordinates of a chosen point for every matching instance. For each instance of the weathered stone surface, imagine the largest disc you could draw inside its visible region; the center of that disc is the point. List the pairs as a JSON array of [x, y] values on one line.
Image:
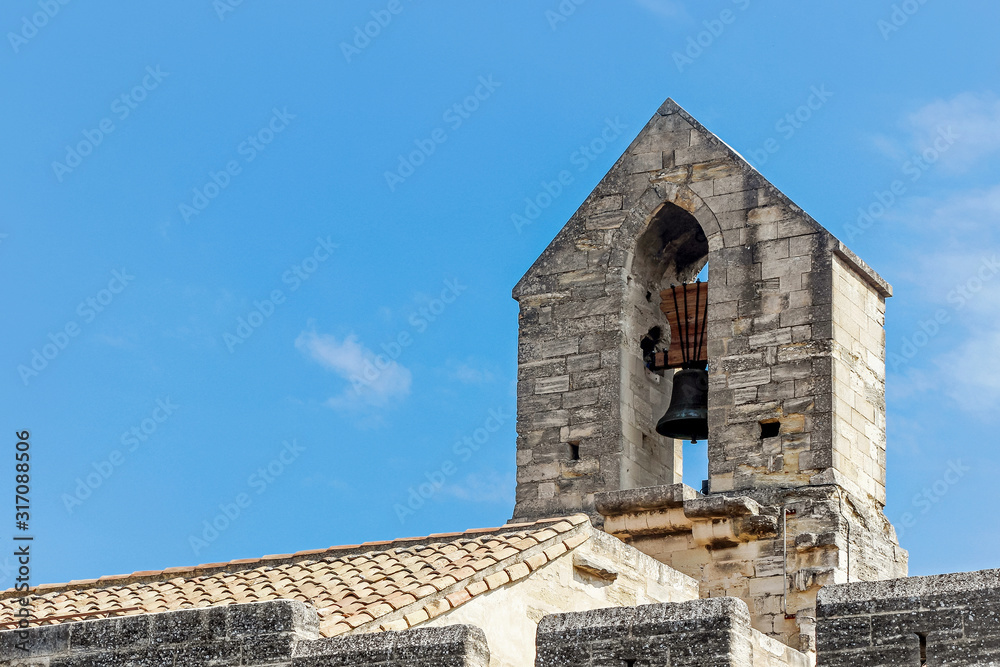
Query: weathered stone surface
[[715, 632], [738, 544], [279, 632], [452, 646], [245, 634], [951, 619]]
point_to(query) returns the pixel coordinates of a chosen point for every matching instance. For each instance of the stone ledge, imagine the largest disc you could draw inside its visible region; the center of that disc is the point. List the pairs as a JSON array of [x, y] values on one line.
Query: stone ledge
[[449, 645], [715, 521], [910, 588], [646, 498], [866, 272], [720, 507], [621, 619]]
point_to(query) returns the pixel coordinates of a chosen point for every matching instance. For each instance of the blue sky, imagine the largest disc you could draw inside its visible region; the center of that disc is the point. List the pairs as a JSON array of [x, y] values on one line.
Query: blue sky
[[214, 215]]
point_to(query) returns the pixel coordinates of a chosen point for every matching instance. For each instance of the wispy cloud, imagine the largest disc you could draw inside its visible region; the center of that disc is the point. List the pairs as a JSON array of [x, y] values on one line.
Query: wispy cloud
[[945, 237], [970, 374], [974, 118], [956, 241], [489, 486], [374, 379], [469, 372]]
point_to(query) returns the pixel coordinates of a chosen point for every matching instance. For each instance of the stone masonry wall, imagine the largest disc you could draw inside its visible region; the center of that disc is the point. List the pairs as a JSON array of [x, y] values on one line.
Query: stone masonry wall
[[702, 633], [859, 381], [587, 406], [951, 619], [737, 545], [281, 632]]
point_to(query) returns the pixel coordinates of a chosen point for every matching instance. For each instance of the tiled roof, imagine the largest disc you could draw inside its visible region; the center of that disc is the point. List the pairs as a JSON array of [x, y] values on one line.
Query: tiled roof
[[358, 588]]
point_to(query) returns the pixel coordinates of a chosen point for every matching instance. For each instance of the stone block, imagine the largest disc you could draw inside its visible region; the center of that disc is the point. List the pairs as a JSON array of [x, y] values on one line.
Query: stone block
[[749, 378], [552, 385], [557, 348], [575, 399]]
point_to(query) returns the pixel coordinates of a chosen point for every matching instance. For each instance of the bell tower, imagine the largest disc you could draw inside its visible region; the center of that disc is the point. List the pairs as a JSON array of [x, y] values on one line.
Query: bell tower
[[796, 372], [795, 340]]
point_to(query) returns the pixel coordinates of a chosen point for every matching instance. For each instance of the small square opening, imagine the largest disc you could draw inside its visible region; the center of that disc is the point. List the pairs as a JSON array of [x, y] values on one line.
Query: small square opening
[[574, 451], [770, 429]]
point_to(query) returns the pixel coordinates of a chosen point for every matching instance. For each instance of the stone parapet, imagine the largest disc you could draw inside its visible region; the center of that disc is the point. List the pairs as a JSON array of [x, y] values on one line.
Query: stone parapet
[[279, 632], [950, 619], [714, 633]]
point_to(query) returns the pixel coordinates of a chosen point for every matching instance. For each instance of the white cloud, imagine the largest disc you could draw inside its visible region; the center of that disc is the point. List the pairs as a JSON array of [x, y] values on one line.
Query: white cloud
[[374, 379], [469, 373], [949, 265], [971, 373], [946, 237], [973, 118]]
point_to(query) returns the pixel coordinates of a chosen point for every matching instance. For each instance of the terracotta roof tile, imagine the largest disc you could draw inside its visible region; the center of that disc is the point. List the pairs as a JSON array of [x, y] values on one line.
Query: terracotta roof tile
[[419, 616], [518, 571], [477, 587], [356, 588]]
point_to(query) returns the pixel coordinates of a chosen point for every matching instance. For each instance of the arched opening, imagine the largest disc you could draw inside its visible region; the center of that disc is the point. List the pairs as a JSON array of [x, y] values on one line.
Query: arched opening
[[672, 250]]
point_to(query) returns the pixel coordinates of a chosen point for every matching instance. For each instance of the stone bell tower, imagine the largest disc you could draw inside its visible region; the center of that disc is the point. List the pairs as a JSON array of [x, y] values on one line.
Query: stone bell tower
[[796, 396]]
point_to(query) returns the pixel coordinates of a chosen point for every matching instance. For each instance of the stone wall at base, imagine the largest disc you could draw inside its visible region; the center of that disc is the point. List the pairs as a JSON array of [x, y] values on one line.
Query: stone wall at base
[[950, 619], [742, 546], [280, 632], [449, 646], [715, 632]]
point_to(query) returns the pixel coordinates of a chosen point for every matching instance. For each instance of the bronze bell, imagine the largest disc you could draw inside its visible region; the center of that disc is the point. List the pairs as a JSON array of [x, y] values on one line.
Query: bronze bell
[[687, 416]]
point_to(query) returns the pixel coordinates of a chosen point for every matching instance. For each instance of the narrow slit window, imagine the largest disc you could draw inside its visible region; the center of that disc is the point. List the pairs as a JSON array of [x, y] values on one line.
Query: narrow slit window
[[574, 451]]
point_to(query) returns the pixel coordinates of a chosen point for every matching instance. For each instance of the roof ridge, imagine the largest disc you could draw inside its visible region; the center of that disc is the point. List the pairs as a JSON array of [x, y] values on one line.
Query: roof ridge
[[149, 576], [507, 570]]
